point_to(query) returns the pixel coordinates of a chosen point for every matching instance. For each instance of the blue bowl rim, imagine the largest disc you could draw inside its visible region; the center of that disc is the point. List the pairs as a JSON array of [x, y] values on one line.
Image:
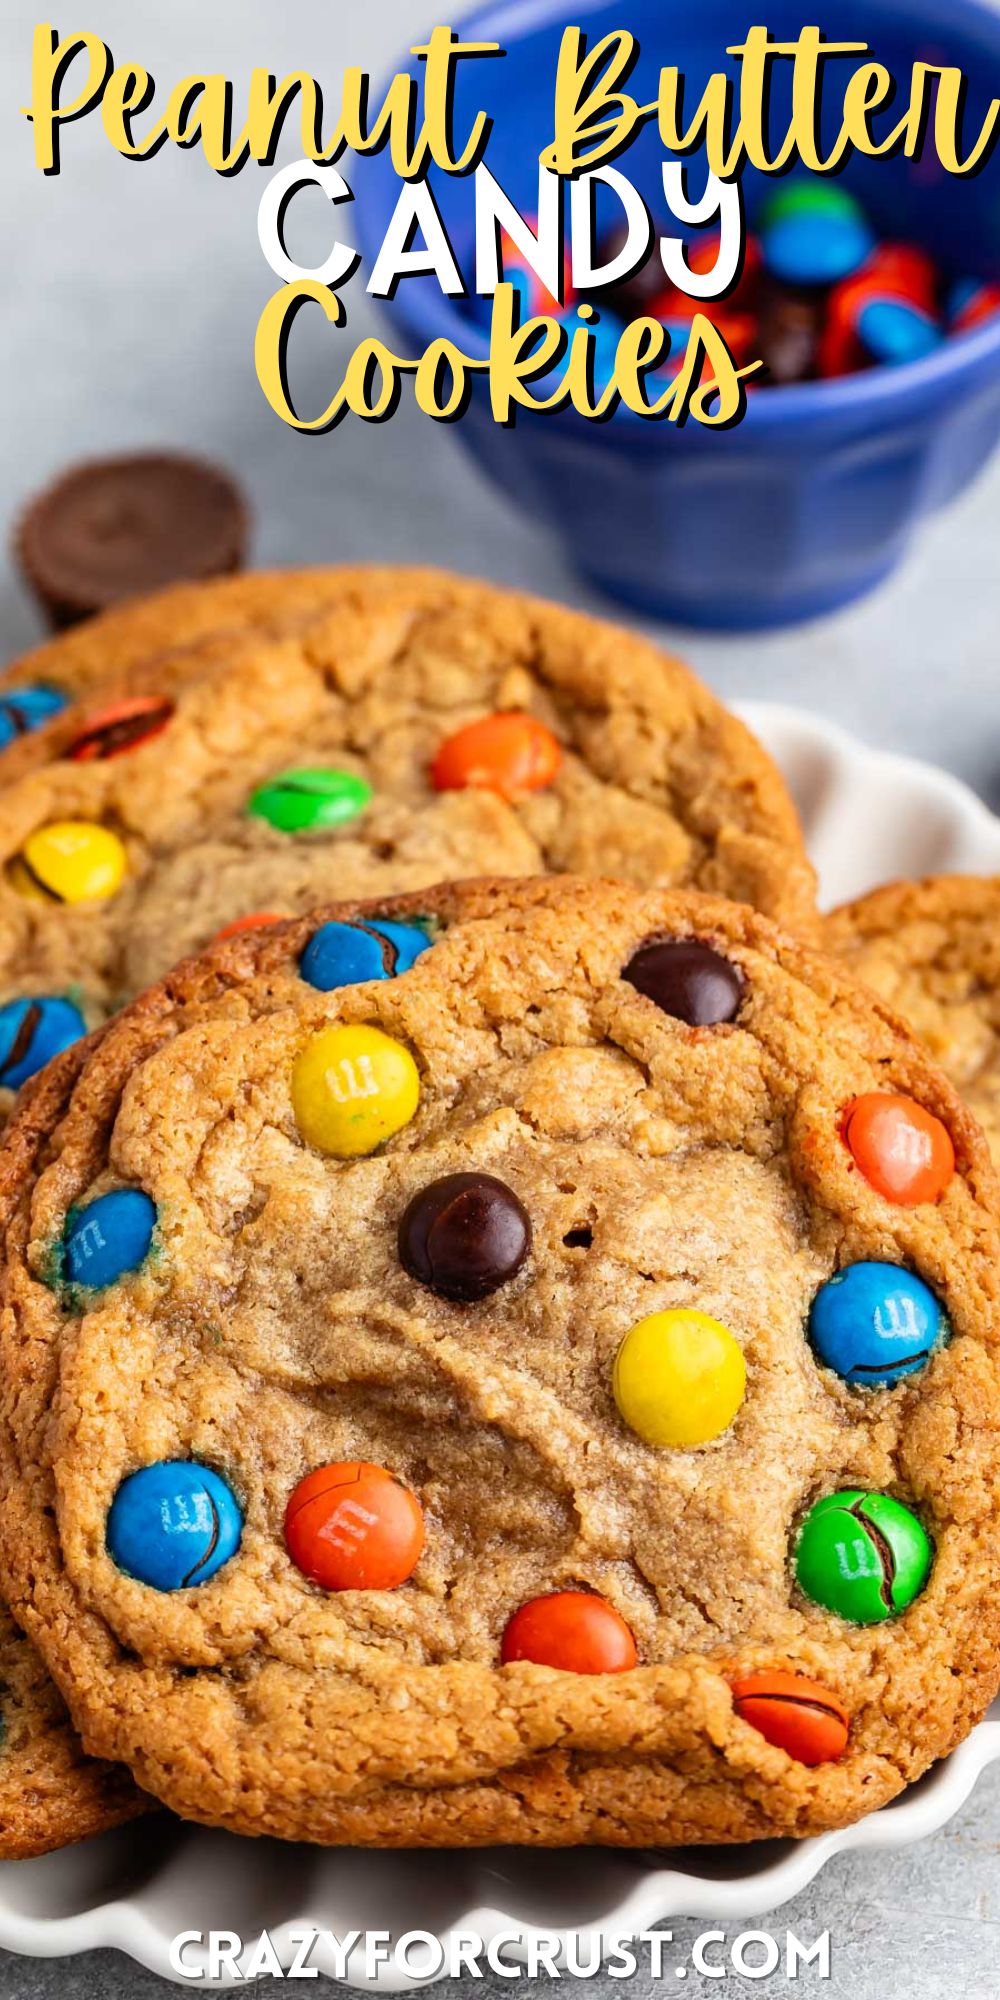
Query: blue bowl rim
[[958, 356]]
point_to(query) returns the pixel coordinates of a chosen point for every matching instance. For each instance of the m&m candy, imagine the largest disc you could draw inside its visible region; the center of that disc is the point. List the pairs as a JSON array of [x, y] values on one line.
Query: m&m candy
[[24, 709], [70, 861], [109, 1237], [32, 1031], [345, 954], [971, 302], [862, 1555], [352, 1088], [173, 1524], [679, 1378], [813, 232], [892, 331], [531, 293], [464, 1236], [604, 335], [886, 313], [352, 1526], [572, 1630], [874, 1323], [687, 978], [123, 726], [533, 298], [819, 294], [797, 1715], [901, 271], [304, 801], [903, 1151], [509, 754]]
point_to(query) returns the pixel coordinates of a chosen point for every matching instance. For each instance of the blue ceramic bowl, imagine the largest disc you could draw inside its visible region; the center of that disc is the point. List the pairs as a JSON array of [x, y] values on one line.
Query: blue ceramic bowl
[[813, 498]]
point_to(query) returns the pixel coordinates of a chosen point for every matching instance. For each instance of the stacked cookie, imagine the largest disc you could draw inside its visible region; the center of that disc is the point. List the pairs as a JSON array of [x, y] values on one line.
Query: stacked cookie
[[513, 1361], [258, 745], [932, 949]]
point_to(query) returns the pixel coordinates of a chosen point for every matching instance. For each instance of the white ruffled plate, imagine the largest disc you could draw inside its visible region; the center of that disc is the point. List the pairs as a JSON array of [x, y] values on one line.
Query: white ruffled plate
[[868, 816]]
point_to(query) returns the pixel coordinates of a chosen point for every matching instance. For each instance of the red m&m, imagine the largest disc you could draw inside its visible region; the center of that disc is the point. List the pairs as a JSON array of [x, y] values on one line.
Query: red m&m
[[507, 753], [352, 1526], [903, 1151], [885, 313], [573, 1630], [971, 302], [123, 726], [258, 920], [818, 294]]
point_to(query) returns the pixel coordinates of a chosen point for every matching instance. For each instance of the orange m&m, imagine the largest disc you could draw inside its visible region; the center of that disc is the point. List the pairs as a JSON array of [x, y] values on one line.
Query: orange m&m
[[352, 1526], [509, 754], [111, 732], [795, 1714], [903, 1151], [258, 920], [572, 1630]]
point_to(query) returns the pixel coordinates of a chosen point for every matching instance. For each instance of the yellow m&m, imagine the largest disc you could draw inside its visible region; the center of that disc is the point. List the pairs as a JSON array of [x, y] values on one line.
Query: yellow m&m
[[352, 1088], [70, 861], [679, 1378]]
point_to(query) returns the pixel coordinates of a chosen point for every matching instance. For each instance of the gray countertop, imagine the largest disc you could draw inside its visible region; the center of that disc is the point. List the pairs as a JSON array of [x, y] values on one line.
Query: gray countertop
[[130, 299]]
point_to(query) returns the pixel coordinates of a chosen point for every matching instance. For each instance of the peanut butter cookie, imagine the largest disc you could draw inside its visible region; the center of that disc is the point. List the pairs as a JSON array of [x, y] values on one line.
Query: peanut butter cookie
[[513, 1363], [932, 950], [50, 1793], [260, 744]]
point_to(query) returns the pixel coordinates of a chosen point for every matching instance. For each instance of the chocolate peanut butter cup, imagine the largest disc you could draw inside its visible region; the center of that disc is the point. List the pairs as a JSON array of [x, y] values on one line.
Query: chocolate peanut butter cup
[[114, 528]]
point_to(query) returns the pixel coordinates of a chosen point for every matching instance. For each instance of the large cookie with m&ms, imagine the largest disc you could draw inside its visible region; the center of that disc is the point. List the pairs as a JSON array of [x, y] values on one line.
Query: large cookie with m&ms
[[513, 1363], [932, 950], [254, 746]]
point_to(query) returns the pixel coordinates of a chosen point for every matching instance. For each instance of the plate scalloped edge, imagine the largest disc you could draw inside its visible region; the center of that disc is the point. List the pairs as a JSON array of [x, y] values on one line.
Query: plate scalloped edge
[[869, 815]]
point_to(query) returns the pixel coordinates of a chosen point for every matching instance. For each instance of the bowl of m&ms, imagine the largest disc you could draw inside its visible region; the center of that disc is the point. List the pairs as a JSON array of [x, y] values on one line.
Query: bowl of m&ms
[[871, 294], [820, 294]]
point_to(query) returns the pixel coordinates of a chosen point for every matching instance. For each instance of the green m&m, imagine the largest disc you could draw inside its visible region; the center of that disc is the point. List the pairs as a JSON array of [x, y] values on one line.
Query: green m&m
[[299, 801], [862, 1555]]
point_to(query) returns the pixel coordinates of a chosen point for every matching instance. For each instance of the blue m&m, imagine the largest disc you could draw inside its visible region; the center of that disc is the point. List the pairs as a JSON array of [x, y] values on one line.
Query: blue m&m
[[895, 330], [23, 709], [109, 1237], [814, 233], [32, 1031], [343, 954], [874, 1323], [173, 1524], [970, 303], [821, 293]]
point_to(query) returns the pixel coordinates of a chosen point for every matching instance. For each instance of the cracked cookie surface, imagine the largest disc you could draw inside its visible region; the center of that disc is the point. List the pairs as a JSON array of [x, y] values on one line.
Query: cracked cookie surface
[[932, 950], [273, 1328]]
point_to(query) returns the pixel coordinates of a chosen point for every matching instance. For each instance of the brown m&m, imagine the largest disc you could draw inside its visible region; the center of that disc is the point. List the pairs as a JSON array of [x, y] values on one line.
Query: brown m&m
[[687, 978], [789, 329], [464, 1236]]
